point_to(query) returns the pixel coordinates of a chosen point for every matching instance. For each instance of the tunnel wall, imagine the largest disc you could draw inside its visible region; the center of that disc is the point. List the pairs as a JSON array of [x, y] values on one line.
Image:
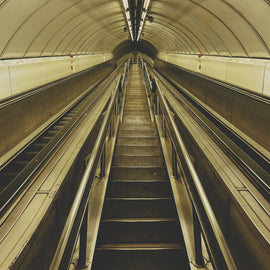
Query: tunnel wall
[[248, 73], [20, 75], [147, 59], [248, 114], [122, 59], [22, 117]]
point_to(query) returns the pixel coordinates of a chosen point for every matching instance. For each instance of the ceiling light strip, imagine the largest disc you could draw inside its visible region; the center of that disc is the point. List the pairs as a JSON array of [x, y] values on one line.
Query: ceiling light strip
[[126, 7], [144, 13]]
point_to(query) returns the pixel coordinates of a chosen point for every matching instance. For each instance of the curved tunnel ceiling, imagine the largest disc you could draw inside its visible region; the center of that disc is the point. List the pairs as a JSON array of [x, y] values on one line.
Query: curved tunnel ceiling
[[128, 46], [36, 28]]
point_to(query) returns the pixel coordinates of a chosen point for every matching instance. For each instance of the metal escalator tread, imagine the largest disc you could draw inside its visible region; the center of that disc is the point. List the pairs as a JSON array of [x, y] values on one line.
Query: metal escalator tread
[[139, 228], [29, 155]]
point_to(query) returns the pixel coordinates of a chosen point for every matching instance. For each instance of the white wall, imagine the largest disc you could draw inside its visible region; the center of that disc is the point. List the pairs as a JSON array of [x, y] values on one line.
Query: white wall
[[5, 88], [248, 73], [20, 75]]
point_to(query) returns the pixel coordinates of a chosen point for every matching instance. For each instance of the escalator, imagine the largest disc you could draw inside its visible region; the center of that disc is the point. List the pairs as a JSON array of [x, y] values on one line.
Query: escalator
[[139, 228]]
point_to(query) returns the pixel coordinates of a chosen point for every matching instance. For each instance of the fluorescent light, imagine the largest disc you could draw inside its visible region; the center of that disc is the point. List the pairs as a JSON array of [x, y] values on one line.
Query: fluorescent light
[[126, 7], [125, 4], [146, 4], [145, 9], [128, 16]]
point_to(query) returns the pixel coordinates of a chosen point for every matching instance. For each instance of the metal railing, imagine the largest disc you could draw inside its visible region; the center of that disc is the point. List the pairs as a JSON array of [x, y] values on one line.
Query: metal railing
[[146, 77], [76, 222], [204, 220]]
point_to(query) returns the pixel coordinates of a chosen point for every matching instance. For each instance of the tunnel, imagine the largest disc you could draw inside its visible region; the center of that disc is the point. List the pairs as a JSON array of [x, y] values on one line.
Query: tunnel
[[135, 134]]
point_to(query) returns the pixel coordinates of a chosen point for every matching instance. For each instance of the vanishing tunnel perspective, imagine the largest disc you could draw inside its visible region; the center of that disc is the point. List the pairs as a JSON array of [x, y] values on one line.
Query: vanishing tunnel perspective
[[135, 134]]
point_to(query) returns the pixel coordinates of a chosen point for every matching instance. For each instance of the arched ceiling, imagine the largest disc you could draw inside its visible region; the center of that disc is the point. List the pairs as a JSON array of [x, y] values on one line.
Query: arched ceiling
[[127, 47], [212, 27], [36, 28]]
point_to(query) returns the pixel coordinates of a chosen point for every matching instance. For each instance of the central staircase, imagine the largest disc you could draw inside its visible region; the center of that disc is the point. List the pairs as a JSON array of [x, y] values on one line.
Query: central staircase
[[139, 228]]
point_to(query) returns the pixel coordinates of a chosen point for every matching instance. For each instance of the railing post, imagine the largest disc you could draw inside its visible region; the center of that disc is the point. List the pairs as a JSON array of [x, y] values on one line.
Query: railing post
[[158, 106], [199, 261], [83, 241], [163, 126], [103, 161], [112, 127], [120, 95], [174, 162], [155, 102], [117, 109]]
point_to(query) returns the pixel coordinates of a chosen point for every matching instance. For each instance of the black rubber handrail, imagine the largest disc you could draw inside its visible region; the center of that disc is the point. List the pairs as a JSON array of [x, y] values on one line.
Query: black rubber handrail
[[215, 240], [69, 235], [216, 243]]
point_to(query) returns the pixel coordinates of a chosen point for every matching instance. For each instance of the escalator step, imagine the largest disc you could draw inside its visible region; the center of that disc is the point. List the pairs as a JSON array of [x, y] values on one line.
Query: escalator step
[[126, 126], [125, 160], [138, 151], [139, 189], [139, 208], [51, 133], [129, 173], [37, 147], [136, 133], [134, 141], [141, 257], [62, 122], [29, 155], [57, 127], [45, 139], [6, 178], [16, 166], [138, 230]]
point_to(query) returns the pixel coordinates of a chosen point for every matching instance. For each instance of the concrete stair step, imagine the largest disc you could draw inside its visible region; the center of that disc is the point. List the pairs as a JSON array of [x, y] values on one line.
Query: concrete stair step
[[136, 105], [136, 119], [137, 133], [142, 141], [139, 208], [137, 113], [134, 101], [138, 151], [139, 189], [136, 96], [148, 126], [136, 109], [141, 257], [138, 230], [124, 160], [132, 173]]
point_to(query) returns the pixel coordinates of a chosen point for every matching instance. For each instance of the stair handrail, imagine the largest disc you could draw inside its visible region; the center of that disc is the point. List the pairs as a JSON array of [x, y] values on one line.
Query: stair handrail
[[213, 235], [69, 235], [146, 76]]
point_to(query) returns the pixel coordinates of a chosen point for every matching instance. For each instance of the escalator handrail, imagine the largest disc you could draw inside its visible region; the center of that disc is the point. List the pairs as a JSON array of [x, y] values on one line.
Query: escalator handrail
[[66, 244], [215, 240]]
